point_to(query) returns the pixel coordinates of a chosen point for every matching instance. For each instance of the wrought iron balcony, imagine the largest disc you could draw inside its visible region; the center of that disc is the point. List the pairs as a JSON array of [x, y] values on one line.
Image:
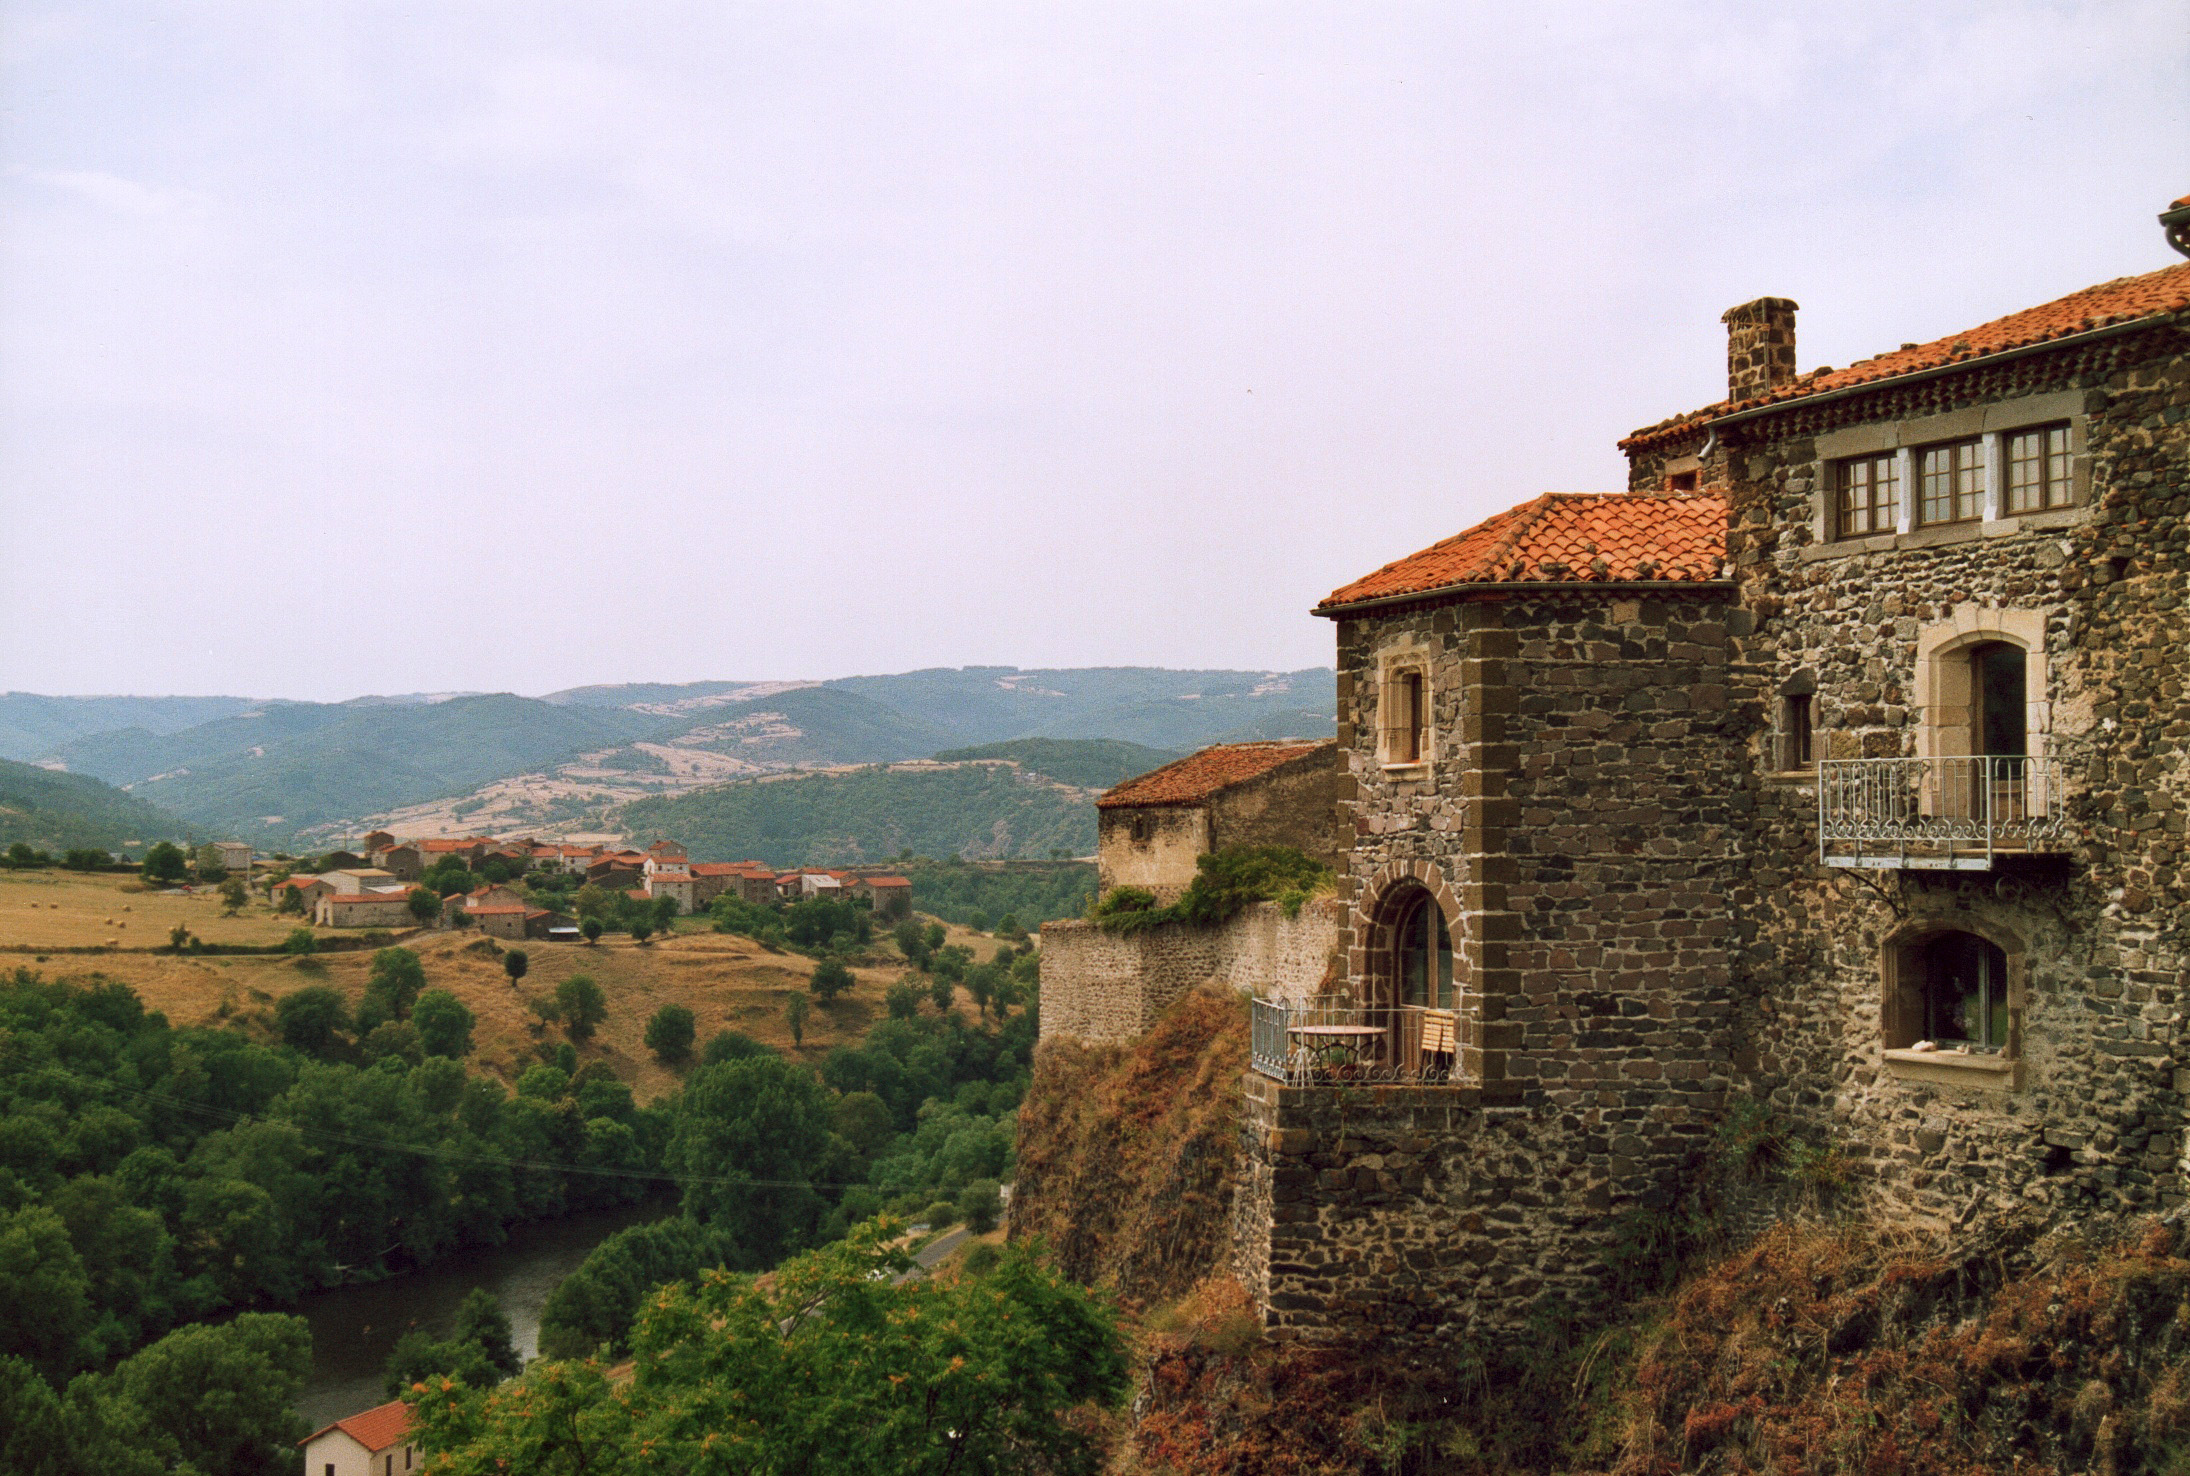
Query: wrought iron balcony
[[1938, 814], [1329, 1042]]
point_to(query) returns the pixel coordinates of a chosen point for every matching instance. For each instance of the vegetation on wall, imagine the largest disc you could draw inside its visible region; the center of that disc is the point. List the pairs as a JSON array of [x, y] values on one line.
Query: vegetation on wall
[[1225, 882]]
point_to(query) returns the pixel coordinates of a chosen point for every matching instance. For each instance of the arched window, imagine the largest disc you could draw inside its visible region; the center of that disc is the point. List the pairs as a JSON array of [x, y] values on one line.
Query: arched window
[[1422, 949]]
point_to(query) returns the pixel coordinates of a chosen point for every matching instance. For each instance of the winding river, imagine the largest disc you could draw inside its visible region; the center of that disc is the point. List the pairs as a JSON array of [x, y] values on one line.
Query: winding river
[[354, 1328]]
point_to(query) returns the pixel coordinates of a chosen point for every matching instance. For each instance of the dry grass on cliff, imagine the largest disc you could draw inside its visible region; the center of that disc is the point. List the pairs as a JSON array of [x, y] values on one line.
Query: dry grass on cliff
[[1817, 1351], [1126, 1153]]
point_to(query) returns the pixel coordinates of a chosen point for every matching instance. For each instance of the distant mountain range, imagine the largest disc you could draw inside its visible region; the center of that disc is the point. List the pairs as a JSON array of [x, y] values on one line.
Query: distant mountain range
[[296, 773], [59, 812]]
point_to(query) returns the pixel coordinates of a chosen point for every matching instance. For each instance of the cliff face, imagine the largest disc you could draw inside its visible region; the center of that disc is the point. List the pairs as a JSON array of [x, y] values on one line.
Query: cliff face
[[1128, 1153]]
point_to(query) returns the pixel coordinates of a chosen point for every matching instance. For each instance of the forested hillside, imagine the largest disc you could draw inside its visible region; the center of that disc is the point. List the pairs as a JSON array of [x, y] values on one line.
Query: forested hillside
[[59, 812], [1084, 763], [33, 726], [972, 810]]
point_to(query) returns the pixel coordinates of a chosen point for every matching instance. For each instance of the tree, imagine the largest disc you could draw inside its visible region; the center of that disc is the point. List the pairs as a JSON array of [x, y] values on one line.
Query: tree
[[211, 866], [21, 856], [312, 1020], [290, 902], [302, 942], [398, 1038], [1007, 926], [762, 1118], [165, 862], [444, 1024], [731, 1045], [665, 915], [222, 1397], [670, 1033], [984, 1371], [391, 987], [582, 1004], [514, 964], [980, 1204], [795, 1010], [45, 1295], [902, 1000], [80, 859], [829, 979], [478, 1351], [448, 877], [233, 896], [425, 904], [912, 941], [178, 937], [640, 929], [940, 990], [592, 929]]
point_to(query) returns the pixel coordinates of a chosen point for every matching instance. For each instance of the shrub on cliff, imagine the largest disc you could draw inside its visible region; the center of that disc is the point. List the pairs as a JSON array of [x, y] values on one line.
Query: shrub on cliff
[[1226, 882]]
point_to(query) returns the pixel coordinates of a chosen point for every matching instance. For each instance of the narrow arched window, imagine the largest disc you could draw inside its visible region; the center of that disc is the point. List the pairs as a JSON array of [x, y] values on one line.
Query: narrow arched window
[[1423, 952]]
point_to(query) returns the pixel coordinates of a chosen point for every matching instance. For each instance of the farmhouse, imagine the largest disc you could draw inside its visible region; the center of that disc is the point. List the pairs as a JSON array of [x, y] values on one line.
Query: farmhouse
[[362, 910], [1151, 830], [375, 1442]]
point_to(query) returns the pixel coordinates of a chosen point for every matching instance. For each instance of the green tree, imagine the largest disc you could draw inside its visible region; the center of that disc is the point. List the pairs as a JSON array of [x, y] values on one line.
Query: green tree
[[21, 856], [178, 937], [289, 902], [302, 942], [478, 1351], [984, 1372], [444, 1024], [670, 1033], [448, 877], [391, 987], [312, 1020], [81, 859], [592, 929], [233, 896], [223, 1398], [912, 941], [209, 864], [640, 929], [45, 1294], [397, 1038], [940, 990], [582, 1004], [665, 915], [980, 1204], [795, 1010], [424, 903], [829, 979], [515, 963], [759, 1118], [165, 862], [902, 999], [731, 1045]]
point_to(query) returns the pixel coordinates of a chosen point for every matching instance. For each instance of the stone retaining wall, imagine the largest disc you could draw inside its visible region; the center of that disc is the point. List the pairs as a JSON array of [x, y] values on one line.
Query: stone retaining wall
[[1104, 987]]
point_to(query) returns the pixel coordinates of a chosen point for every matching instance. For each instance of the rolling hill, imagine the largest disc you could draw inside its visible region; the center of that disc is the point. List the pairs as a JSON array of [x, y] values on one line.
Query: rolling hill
[[33, 726], [56, 812], [975, 810], [1084, 763]]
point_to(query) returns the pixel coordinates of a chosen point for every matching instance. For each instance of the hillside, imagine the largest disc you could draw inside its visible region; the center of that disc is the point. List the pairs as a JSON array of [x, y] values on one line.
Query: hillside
[[1178, 710], [1084, 763], [270, 773], [33, 726], [972, 810], [58, 811]]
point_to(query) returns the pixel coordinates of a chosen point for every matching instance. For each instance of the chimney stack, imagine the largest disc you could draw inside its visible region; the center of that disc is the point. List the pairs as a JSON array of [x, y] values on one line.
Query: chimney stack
[[1760, 347]]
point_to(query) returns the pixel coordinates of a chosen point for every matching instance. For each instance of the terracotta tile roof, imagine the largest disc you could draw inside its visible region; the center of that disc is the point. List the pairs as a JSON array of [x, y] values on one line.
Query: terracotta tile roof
[[497, 909], [2123, 300], [376, 1429], [887, 881], [1200, 775], [716, 868], [1563, 538]]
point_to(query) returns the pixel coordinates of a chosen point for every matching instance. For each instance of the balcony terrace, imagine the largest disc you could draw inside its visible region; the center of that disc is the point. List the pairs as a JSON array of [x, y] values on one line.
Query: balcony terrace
[[1957, 813]]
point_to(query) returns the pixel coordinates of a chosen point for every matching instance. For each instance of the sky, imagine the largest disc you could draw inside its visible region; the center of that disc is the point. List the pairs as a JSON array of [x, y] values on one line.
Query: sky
[[355, 348]]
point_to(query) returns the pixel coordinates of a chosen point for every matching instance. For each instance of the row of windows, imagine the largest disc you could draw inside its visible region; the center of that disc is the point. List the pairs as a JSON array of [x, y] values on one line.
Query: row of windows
[[1950, 482]]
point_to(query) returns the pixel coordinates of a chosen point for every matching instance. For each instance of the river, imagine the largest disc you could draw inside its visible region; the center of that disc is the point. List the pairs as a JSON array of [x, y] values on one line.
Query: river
[[354, 1328]]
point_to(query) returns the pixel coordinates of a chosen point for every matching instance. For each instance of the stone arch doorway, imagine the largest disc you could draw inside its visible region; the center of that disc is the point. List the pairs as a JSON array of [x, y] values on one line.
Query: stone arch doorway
[[1408, 983]]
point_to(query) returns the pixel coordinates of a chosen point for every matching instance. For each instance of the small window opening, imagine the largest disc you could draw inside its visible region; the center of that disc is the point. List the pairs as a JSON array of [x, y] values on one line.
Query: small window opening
[[1965, 993], [1425, 956], [1406, 738], [1794, 731], [1681, 482], [1950, 483]]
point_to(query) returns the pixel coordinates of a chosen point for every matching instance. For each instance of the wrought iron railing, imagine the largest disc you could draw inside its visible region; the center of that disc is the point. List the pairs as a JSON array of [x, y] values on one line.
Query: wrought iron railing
[[1331, 1041], [1953, 813]]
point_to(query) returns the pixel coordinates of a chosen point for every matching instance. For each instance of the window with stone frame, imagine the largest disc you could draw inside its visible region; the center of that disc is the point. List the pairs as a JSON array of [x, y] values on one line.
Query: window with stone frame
[[1793, 738], [2037, 469], [1869, 495], [1950, 482], [1406, 717], [1953, 996]]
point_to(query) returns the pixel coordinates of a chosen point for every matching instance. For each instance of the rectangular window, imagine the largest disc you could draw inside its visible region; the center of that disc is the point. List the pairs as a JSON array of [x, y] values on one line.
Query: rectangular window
[[2037, 469], [1950, 482], [1794, 732], [1406, 720], [1870, 495]]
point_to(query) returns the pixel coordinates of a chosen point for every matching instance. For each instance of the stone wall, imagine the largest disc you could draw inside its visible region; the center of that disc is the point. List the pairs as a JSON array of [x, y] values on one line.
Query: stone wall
[[1109, 987], [1293, 805], [1150, 846], [2091, 1122]]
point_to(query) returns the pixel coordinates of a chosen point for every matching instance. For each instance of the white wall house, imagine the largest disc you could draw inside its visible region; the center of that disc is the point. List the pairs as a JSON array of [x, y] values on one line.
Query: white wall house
[[374, 1443]]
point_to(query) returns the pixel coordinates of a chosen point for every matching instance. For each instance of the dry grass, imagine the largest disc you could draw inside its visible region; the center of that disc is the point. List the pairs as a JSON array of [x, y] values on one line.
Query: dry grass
[[73, 909], [728, 983]]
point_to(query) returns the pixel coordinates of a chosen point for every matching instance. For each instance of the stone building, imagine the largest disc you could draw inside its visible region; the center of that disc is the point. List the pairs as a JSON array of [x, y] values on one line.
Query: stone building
[[1151, 830], [1839, 763]]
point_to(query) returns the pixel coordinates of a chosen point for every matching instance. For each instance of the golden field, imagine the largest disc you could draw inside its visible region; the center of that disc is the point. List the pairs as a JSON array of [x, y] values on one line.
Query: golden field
[[727, 982]]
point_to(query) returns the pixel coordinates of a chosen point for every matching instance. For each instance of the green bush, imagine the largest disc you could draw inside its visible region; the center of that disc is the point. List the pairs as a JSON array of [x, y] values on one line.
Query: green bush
[[669, 1034], [1225, 882]]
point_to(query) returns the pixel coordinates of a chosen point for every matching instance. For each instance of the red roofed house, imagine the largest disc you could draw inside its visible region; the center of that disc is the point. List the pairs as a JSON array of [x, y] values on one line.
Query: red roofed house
[[1614, 764], [1152, 829], [676, 884], [375, 1442], [889, 896]]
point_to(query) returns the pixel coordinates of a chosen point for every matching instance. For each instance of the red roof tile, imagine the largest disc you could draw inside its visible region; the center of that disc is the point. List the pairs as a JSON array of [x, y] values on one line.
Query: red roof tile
[[1563, 538], [2123, 300], [376, 1429], [886, 881], [1200, 775]]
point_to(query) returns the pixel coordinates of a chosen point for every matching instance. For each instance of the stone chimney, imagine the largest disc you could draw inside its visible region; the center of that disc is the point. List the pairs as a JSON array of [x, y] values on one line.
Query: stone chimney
[[1760, 347]]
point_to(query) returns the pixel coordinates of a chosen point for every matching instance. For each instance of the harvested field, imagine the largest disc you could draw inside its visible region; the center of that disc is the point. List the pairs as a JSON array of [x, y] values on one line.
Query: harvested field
[[72, 909], [728, 983]]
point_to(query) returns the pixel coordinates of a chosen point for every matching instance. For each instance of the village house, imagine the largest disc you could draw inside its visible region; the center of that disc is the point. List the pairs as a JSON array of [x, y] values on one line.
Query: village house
[[1151, 830], [400, 859], [235, 857], [375, 1442], [351, 880], [888, 896], [376, 840], [1837, 765], [498, 912], [680, 886], [362, 910]]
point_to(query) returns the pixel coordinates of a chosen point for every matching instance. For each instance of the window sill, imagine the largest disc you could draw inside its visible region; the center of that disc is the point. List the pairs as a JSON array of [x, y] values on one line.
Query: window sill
[[1938, 534], [1953, 1068], [1406, 771], [1806, 775]]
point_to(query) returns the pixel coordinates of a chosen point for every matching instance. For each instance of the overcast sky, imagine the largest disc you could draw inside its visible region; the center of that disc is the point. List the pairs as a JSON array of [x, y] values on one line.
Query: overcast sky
[[382, 348]]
